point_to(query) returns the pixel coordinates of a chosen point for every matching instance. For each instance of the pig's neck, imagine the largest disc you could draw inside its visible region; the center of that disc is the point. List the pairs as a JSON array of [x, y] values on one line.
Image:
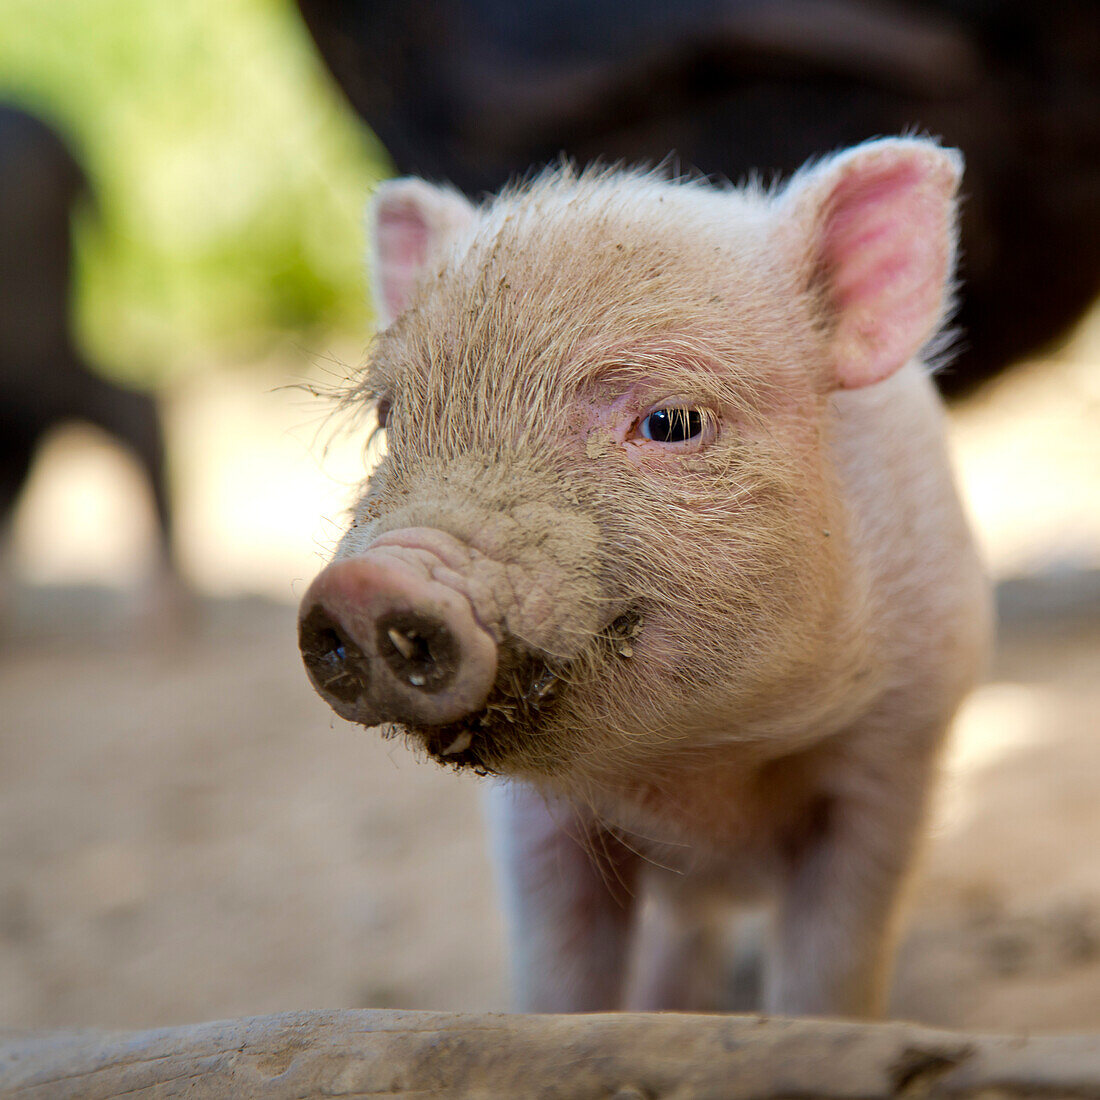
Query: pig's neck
[[734, 802]]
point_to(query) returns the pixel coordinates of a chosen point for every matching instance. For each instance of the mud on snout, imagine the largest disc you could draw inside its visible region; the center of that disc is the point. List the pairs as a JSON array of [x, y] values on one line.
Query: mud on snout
[[513, 720], [518, 714]]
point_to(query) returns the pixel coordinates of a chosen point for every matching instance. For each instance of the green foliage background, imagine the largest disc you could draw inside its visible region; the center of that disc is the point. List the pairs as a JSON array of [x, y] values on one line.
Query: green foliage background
[[229, 176]]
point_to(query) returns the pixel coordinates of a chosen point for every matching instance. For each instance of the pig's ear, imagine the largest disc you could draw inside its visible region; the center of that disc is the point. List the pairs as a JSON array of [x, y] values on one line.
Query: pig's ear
[[411, 224], [879, 222]]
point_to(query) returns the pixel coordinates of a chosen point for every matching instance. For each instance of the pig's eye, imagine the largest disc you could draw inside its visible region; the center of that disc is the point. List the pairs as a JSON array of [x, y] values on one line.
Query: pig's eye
[[382, 411], [672, 425]]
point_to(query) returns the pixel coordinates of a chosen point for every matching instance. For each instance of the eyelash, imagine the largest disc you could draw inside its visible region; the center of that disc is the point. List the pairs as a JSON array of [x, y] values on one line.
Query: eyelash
[[673, 424]]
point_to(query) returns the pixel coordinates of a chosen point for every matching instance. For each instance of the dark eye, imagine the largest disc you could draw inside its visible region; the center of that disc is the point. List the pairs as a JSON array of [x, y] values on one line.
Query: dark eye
[[382, 411], [672, 425]]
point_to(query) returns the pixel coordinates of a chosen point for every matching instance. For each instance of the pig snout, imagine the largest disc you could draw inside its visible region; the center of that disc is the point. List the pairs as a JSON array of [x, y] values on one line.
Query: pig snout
[[384, 641]]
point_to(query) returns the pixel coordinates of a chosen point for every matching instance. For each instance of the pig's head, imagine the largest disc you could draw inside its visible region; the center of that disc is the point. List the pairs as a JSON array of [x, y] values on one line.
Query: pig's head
[[606, 524]]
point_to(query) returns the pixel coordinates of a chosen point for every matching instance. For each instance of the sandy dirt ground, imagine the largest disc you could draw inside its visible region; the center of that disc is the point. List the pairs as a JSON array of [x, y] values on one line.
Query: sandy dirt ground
[[187, 833]]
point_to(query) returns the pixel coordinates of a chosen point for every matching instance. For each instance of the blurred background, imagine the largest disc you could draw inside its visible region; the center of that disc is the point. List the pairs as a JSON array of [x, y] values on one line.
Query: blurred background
[[186, 832]]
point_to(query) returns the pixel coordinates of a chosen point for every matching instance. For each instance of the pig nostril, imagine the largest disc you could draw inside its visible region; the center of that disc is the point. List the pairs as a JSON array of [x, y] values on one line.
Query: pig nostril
[[335, 662], [419, 650]]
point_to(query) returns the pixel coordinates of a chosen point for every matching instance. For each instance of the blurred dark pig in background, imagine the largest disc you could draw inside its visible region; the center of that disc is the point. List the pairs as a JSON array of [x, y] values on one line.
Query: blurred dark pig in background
[[44, 379], [475, 91]]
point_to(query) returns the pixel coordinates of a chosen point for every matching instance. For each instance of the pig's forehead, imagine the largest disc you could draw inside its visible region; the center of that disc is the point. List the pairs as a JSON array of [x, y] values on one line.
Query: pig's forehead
[[592, 219], [601, 254], [567, 198], [553, 277]]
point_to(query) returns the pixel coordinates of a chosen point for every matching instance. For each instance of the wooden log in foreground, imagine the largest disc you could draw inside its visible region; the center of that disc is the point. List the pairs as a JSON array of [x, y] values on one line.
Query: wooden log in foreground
[[611, 1057]]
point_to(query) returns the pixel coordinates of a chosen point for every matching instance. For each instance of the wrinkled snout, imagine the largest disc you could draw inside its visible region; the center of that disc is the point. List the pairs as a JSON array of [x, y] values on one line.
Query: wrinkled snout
[[383, 642]]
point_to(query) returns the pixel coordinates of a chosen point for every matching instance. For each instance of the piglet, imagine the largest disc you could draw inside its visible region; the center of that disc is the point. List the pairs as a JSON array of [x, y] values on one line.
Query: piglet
[[666, 540]]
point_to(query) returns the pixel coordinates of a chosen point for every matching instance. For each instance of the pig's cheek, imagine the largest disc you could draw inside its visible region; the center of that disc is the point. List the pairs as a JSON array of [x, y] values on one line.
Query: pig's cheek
[[655, 648]]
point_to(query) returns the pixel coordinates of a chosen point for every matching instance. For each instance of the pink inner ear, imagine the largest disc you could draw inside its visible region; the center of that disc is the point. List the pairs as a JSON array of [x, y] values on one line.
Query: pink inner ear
[[401, 240], [887, 246]]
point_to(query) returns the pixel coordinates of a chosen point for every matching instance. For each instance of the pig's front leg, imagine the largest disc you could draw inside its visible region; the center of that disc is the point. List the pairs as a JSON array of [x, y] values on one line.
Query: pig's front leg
[[681, 961], [567, 889], [838, 901]]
